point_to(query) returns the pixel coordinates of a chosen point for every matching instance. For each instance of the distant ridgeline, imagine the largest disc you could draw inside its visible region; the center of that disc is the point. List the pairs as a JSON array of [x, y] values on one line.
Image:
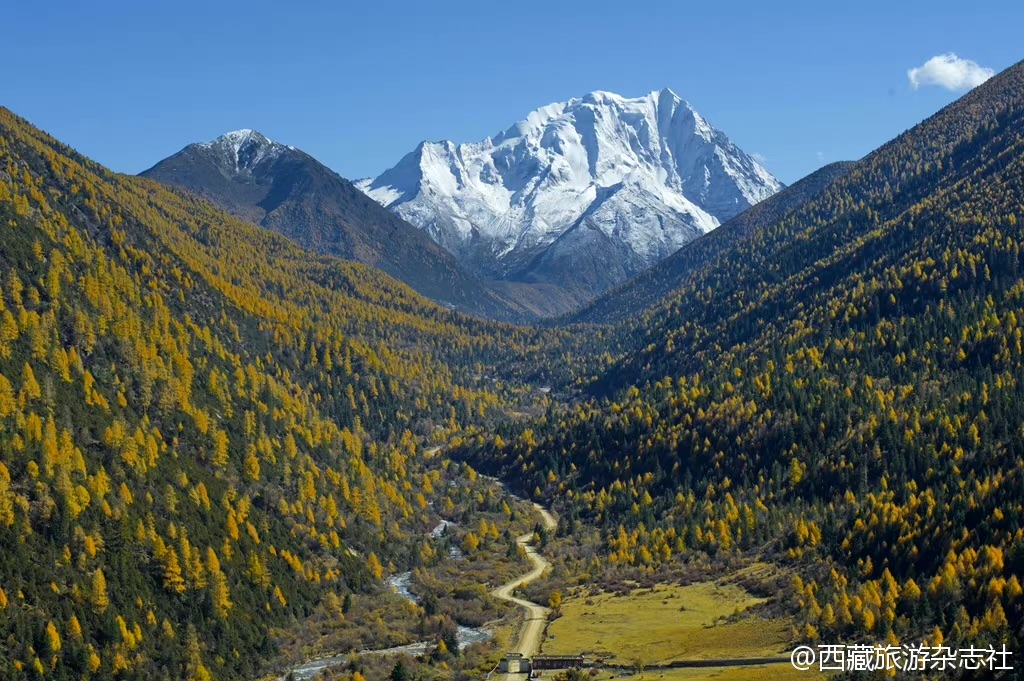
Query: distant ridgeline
[[288, 191], [839, 388]]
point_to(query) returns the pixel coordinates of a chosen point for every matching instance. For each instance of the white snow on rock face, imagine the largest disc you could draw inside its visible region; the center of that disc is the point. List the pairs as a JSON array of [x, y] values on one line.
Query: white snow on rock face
[[245, 149], [648, 174]]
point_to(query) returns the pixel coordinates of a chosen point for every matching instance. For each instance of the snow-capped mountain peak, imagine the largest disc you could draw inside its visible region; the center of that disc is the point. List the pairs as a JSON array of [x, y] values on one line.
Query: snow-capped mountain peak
[[628, 179], [244, 149]]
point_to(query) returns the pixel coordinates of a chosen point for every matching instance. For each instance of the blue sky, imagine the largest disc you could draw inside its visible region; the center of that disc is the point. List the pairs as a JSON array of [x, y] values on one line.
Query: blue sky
[[801, 84]]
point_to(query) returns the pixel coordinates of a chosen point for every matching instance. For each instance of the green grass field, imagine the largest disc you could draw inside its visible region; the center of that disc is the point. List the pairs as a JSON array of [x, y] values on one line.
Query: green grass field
[[667, 623]]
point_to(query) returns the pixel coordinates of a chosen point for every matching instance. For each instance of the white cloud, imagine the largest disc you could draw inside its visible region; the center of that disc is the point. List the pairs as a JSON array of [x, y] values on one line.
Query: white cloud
[[949, 71], [759, 157], [820, 155]]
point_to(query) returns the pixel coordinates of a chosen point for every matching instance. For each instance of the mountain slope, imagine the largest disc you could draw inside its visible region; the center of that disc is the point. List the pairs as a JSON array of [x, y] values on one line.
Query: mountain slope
[[286, 190], [206, 433], [653, 285], [839, 392], [583, 193]]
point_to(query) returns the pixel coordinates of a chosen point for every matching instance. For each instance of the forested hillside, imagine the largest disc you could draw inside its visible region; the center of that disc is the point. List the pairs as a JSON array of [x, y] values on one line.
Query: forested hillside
[[205, 430], [841, 391]]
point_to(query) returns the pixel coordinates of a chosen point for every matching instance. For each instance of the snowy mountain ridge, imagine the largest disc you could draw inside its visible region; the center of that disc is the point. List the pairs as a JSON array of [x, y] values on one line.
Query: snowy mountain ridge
[[245, 148], [599, 188]]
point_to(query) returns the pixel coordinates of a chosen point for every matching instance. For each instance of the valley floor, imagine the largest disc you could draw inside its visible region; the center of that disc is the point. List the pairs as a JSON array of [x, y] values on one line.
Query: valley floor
[[638, 633]]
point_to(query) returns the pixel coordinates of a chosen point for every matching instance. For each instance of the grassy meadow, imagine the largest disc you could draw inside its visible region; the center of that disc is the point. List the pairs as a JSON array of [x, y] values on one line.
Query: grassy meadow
[[659, 625]]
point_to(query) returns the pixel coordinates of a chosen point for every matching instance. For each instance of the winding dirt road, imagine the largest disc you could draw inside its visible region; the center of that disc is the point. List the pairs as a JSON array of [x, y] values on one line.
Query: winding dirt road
[[530, 635], [532, 631]]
